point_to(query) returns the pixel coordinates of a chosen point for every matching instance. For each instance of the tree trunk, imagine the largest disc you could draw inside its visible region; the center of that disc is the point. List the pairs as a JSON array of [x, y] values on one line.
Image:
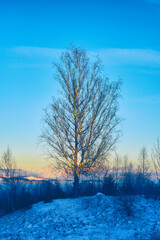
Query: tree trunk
[[76, 185]]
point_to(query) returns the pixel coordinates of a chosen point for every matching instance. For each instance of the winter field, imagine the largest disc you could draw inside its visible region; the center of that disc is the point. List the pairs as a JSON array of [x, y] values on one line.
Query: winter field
[[88, 218]]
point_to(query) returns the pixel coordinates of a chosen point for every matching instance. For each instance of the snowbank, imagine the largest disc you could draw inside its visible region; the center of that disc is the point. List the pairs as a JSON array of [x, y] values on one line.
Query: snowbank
[[97, 217]]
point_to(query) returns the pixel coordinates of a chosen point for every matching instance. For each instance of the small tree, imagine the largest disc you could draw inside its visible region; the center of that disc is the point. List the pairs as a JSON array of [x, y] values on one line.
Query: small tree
[[156, 157], [125, 164], [143, 161], [128, 180], [81, 126], [8, 168], [8, 165], [143, 164], [116, 170]]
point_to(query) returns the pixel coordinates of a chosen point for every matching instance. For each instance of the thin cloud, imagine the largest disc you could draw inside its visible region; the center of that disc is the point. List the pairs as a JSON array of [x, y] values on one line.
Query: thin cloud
[[130, 56], [111, 56], [37, 52]]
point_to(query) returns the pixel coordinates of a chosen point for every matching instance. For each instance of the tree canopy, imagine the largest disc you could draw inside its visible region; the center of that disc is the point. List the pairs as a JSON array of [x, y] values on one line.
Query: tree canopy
[[80, 127]]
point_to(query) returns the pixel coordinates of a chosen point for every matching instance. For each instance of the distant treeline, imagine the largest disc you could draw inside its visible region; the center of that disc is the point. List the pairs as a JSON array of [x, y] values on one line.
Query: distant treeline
[[16, 195], [117, 178]]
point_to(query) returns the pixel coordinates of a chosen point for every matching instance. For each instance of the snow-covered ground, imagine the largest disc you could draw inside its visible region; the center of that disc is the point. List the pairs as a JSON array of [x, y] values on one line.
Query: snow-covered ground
[[97, 217]]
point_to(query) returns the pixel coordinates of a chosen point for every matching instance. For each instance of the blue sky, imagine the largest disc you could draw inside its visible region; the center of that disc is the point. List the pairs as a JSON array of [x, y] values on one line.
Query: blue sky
[[126, 36]]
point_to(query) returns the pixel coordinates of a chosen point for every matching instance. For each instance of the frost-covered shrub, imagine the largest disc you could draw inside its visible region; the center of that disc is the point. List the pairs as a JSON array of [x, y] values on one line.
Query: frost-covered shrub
[[127, 204], [96, 201]]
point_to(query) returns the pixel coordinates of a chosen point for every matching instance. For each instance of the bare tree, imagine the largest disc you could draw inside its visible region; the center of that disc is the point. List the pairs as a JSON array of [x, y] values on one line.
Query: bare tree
[[116, 170], [8, 168], [8, 165], [143, 167], [156, 157], [125, 162], [80, 128], [143, 163]]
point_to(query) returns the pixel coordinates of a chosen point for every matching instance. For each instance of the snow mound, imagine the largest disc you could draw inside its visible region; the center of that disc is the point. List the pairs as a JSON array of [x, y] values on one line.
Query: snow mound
[[100, 195], [99, 217], [98, 200]]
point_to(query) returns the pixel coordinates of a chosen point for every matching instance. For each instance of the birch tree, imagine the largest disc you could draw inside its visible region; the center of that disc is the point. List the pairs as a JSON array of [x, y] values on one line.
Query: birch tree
[[143, 168], [143, 163], [156, 157], [8, 165], [9, 170], [80, 127]]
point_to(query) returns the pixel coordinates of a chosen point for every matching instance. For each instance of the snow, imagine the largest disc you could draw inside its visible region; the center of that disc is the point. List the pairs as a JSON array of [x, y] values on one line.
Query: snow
[[86, 218]]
